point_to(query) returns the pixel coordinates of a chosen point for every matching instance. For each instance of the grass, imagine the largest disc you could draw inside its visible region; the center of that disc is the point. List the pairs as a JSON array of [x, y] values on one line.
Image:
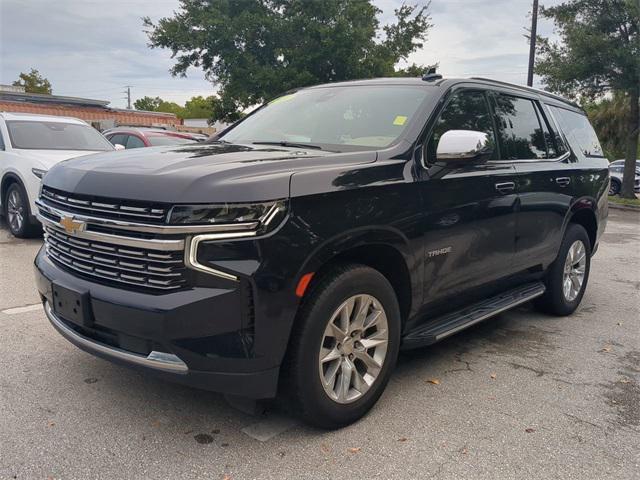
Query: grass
[[625, 201]]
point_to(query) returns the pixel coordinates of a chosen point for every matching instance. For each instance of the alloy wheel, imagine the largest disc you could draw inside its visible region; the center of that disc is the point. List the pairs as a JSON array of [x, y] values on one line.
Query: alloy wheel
[[354, 348], [15, 211], [574, 269]]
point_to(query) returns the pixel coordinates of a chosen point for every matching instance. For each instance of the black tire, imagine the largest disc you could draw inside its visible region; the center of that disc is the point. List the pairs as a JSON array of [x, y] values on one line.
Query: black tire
[[614, 187], [301, 378], [554, 301], [26, 228]]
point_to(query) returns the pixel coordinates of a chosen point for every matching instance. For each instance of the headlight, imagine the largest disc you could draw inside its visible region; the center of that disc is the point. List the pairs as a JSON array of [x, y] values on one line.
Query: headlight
[[38, 172], [252, 214]]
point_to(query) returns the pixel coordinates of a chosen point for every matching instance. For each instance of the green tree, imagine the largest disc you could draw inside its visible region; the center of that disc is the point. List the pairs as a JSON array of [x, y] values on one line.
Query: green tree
[[33, 82], [607, 117], [171, 107], [256, 49], [199, 107], [599, 54], [147, 103]]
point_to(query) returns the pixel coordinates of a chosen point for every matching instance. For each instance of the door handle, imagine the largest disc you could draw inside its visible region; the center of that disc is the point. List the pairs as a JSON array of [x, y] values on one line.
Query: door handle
[[505, 187], [563, 181]]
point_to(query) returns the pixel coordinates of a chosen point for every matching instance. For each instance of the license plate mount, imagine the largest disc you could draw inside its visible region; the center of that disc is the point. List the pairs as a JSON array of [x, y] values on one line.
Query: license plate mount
[[72, 305]]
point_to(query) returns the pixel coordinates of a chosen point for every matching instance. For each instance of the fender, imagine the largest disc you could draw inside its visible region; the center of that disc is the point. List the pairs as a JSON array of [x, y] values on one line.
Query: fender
[[579, 207], [10, 175]]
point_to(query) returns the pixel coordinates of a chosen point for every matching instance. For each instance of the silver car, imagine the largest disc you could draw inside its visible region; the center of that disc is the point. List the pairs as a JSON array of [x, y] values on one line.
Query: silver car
[[616, 170]]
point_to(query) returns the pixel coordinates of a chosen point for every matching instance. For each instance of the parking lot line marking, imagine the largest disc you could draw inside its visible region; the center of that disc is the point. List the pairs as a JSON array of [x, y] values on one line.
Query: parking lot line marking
[[26, 308], [269, 427]]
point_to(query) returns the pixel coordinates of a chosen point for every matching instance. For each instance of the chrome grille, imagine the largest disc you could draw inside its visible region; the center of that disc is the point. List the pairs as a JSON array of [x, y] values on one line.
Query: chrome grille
[[104, 207], [116, 263]]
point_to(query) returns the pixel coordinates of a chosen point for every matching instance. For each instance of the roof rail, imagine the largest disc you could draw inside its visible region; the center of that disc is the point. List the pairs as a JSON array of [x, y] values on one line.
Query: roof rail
[[530, 89]]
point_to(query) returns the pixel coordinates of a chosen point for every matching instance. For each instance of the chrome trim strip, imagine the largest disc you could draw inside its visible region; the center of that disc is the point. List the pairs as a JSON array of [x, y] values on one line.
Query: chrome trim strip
[[141, 227], [191, 252], [561, 158], [490, 314], [166, 362], [151, 244]]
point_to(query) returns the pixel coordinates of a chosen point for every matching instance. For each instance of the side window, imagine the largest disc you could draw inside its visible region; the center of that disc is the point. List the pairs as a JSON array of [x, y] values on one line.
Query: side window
[[118, 138], [1, 141], [558, 143], [134, 142], [466, 110], [520, 134], [579, 132]]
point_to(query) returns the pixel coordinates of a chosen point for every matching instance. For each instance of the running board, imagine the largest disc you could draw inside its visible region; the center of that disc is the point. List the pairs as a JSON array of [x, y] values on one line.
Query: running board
[[450, 323]]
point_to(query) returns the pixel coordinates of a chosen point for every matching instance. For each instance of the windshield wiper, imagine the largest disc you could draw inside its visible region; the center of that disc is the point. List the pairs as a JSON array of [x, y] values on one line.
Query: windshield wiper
[[284, 143]]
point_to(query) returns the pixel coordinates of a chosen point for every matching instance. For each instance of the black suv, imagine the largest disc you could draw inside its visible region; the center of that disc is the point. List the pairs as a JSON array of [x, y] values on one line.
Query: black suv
[[299, 250]]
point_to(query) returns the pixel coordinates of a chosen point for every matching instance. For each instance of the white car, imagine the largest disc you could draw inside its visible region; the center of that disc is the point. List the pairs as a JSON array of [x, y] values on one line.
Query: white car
[[29, 146]]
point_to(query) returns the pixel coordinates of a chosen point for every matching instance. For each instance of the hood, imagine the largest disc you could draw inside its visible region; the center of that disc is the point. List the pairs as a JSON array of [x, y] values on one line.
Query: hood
[[198, 173], [48, 158]]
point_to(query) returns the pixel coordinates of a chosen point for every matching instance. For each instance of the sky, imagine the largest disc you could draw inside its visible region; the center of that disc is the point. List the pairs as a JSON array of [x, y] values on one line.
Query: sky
[[94, 48]]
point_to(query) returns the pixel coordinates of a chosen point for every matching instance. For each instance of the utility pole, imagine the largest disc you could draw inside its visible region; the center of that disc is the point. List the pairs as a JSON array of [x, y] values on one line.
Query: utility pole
[[128, 97], [532, 42]]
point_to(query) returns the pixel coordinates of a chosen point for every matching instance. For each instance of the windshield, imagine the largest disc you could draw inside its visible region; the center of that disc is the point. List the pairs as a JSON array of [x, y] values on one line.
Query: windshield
[[157, 140], [36, 135], [365, 117]]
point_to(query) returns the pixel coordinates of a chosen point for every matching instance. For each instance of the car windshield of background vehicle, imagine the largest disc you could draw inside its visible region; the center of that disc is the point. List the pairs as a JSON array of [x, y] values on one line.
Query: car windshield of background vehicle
[[36, 135], [579, 132], [334, 118], [157, 140]]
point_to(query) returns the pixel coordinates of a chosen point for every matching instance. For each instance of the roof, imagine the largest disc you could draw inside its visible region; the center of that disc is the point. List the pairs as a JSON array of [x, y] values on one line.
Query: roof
[[57, 99], [417, 81], [146, 131], [31, 117]]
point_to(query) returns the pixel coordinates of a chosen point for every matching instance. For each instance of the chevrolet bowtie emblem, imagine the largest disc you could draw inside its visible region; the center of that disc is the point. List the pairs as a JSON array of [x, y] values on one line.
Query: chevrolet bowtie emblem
[[72, 226]]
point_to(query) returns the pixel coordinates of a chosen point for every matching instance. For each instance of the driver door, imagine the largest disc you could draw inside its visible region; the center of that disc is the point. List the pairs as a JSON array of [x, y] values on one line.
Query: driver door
[[469, 220]]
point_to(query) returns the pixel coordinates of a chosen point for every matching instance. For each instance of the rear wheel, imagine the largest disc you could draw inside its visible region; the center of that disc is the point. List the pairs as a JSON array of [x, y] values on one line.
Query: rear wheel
[[567, 277], [18, 214], [344, 347]]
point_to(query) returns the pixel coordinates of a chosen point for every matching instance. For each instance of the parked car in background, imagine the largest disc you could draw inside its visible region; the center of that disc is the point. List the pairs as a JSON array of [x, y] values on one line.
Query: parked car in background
[[301, 249], [29, 146], [138, 137], [616, 171]]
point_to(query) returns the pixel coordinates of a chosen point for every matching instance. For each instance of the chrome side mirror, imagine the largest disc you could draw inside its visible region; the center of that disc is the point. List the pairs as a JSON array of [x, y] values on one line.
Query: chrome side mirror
[[457, 146], [117, 146]]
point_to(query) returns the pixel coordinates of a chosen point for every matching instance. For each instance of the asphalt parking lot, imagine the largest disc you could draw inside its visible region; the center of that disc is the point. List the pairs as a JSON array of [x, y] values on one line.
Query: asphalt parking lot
[[520, 396]]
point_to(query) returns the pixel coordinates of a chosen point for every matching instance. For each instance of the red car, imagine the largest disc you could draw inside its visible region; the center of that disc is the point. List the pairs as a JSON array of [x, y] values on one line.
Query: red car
[[136, 137]]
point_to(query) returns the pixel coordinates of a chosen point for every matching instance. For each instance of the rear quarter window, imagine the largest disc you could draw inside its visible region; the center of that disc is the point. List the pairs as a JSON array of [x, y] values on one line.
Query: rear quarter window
[[579, 132]]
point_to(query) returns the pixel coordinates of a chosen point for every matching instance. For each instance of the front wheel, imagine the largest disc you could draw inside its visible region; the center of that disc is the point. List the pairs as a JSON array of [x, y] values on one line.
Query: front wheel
[[17, 212], [344, 347], [614, 187], [567, 277]]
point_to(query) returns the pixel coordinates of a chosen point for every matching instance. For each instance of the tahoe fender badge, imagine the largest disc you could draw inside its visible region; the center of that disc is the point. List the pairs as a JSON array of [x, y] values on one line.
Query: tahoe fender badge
[[438, 252]]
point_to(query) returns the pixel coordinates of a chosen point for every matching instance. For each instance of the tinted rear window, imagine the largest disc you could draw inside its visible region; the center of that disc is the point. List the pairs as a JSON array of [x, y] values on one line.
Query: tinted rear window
[[35, 135], [578, 131]]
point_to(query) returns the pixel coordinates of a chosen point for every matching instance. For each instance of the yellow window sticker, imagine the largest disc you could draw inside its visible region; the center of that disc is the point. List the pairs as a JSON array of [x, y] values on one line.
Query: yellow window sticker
[[400, 120], [282, 99]]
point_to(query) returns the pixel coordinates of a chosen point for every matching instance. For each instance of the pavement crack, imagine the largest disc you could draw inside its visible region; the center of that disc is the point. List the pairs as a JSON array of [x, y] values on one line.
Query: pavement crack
[[518, 366]]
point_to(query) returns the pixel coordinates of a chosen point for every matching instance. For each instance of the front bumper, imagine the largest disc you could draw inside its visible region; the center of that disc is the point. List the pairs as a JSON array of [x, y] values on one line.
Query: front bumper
[[195, 337]]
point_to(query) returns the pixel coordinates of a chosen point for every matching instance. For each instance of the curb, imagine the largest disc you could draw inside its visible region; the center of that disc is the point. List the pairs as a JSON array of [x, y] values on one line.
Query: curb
[[630, 208]]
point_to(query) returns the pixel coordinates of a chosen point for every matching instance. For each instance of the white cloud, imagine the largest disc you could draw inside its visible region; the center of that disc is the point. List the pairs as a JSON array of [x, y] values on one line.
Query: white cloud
[[94, 48]]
